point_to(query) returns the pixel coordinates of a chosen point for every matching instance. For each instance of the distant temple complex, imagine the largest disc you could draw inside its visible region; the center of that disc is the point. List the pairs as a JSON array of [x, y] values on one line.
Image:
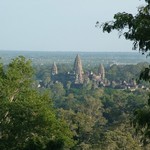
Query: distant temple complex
[[78, 78]]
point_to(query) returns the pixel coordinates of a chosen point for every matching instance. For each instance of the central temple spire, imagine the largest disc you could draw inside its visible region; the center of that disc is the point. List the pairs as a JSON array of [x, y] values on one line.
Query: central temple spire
[[78, 70], [101, 71], [54, 69]]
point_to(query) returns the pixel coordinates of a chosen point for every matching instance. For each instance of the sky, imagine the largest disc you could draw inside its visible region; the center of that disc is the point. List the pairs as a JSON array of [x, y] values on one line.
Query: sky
[[61, 25]]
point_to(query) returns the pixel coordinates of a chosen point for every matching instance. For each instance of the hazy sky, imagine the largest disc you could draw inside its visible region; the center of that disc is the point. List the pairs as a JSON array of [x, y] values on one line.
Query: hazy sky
[[61, 25]]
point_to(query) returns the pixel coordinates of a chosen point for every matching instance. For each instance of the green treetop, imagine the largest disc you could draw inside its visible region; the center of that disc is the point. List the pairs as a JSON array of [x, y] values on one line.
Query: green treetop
[[27, 118]]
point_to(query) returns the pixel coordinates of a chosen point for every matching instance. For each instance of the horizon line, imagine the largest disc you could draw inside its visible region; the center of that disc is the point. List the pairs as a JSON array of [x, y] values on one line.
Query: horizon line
[[132, 51]]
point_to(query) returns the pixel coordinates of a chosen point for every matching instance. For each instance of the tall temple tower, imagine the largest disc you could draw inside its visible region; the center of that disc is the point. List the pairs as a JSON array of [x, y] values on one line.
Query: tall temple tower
[[78, 70], [54, 69], [101, 71]]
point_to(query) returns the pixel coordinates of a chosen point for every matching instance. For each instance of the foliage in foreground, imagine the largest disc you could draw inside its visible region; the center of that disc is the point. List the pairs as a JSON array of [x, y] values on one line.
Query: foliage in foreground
[[137, 29], [27, 118]]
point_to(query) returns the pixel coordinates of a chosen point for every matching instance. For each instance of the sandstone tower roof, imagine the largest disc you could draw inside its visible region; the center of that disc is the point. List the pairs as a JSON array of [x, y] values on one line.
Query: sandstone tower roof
[[54, 69], [78, 70], [101, 71]]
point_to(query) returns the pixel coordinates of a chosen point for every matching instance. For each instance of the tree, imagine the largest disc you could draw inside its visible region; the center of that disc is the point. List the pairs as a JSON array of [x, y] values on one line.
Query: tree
[[58, 90], [133, 27], [137, 29], [118, 140], [27, 118], [84, 115]]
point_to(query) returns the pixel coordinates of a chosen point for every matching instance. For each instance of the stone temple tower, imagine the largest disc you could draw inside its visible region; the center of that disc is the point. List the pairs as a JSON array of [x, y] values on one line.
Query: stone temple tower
[[54, 69], [78, 70], [101, 71]]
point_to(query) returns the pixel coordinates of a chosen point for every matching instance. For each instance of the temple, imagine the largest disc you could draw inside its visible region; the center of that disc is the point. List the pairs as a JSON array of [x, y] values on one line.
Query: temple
[[76, 78]]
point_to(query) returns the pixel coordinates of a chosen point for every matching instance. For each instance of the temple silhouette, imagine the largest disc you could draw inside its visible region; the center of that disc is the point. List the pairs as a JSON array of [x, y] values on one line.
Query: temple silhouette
[[77, 77]]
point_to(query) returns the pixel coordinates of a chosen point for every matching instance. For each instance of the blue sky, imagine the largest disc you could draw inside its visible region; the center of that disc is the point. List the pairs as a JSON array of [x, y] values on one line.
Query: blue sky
[[61, 25]]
